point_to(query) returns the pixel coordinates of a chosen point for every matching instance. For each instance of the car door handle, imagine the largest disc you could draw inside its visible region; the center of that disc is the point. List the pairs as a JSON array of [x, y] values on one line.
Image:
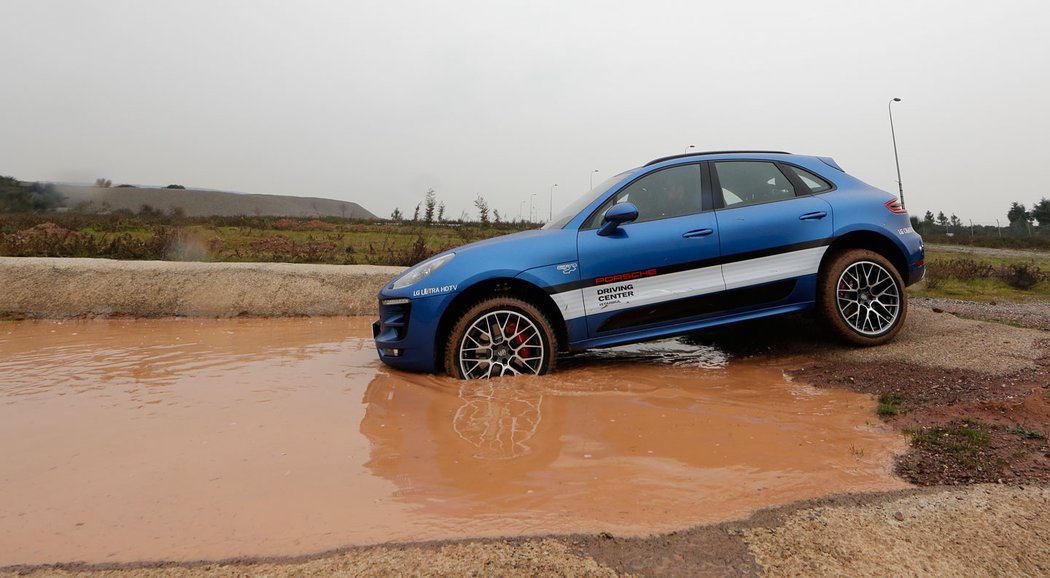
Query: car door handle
[[816, 215], [697, 233]]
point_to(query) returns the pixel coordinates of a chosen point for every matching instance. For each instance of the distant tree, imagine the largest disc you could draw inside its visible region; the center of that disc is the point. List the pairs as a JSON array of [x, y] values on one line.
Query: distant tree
[[1018, 215], [941, 219], [125, 186], [928, 218], [955, 222], [483, 209], [441, 211], [415, 215], [19, 197], [915, 222], [1041, 212], [103, 183], [177, 212], [495, 216], [175, 187], [429, 203], [147, 210], [396, 215]]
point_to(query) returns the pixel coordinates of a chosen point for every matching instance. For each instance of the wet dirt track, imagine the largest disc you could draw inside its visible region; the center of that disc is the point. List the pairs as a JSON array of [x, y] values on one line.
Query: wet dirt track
[[187, 439]]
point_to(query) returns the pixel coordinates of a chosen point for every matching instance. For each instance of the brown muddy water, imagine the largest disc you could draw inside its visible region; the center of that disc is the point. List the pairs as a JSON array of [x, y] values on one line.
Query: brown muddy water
[[130, 440]]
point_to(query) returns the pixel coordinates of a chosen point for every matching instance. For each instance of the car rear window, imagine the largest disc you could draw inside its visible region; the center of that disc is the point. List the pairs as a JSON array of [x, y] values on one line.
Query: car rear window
[[814, 183]]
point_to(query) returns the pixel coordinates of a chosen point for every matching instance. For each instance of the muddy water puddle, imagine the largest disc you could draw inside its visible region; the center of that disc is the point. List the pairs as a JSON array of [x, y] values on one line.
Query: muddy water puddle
[[187, 439]]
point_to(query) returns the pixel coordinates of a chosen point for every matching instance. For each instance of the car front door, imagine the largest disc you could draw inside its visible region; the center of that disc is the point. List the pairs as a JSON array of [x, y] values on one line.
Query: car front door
[[773, 231], [650, 272]]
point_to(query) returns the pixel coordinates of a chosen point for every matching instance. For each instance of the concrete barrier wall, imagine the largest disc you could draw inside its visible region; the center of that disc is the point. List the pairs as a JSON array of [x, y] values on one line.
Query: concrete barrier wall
[[55, 288]]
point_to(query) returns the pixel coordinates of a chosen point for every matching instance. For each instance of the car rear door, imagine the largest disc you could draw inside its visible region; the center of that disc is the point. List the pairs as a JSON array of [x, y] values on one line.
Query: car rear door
[[650, 272], [773, 232]]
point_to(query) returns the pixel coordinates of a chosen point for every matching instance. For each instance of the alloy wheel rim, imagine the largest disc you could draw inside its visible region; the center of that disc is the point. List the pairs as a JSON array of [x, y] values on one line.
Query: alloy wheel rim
[[868, 298], [501, 343]]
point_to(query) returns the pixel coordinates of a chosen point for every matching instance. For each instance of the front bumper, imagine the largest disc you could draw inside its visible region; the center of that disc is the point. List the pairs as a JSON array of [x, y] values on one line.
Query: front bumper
[[405, 333]]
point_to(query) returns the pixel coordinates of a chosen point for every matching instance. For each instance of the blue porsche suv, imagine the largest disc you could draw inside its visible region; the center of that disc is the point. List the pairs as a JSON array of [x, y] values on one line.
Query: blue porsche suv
[[683, 243]]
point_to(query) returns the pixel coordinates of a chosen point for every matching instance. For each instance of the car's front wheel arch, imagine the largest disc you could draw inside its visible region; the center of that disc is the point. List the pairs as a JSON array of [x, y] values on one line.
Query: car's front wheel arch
[[504, 286]]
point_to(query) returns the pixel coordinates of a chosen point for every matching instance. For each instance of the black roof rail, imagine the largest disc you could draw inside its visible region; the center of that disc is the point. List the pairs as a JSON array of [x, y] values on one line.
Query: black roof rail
[[684, 155]]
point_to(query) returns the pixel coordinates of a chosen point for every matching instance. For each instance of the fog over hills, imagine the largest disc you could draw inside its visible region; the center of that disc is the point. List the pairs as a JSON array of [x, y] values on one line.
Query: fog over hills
[[204, 203]]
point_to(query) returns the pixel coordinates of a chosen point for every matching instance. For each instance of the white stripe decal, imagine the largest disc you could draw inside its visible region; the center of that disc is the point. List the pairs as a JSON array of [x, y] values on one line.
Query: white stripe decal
[[646, 291], [772, 268], [649, 290], [570, 303]]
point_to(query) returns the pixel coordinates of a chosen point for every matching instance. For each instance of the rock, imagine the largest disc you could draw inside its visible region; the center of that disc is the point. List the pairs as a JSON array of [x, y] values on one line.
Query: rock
[[898, 516]]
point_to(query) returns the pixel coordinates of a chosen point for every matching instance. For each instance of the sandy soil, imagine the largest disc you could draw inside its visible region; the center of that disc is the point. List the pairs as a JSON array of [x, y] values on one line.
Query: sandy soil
[[983, 530], [58, 288]]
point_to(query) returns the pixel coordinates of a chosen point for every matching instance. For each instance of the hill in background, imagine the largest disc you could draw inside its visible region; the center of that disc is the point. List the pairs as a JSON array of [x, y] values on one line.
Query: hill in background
[[201, 203]]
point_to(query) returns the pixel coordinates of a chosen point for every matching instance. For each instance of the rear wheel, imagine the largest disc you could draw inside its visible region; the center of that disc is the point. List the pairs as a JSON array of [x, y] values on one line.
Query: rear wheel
[[500, 336], [861, 297]]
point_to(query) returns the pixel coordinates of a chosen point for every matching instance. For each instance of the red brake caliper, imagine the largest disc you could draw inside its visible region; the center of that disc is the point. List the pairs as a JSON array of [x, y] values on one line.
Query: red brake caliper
[[520, 339]]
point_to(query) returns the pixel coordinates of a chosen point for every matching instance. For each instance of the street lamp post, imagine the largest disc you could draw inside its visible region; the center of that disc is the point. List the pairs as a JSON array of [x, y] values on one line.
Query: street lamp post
[[592, 179], [532, 214], [893, 134], [550, 207], [688, 147]]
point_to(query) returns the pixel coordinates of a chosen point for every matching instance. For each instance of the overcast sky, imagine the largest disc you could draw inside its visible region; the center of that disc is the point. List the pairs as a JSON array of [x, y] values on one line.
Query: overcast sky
[[375, 102]]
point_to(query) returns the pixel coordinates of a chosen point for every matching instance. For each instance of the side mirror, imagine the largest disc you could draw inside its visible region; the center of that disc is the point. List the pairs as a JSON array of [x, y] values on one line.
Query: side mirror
[[618, 214]]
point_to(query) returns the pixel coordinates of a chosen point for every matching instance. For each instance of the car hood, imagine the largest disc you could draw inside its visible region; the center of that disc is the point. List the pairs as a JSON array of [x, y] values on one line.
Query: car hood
[[503, 256]]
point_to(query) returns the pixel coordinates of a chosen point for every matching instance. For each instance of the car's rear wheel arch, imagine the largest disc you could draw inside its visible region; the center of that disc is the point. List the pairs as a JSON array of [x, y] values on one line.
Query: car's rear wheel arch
[[870, 241], [509, 287]]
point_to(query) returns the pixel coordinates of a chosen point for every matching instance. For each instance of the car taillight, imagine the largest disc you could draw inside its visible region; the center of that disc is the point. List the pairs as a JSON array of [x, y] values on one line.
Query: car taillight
[[895, 206]]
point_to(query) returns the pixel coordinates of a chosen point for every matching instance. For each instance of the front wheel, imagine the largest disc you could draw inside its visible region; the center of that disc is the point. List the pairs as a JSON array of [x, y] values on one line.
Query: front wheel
[[501, 336], [861, 297]]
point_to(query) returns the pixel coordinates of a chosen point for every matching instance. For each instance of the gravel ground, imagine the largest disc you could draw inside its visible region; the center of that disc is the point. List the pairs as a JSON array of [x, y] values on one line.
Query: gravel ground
[[984, 530], [1033, 314], [981, 531], [523, 558], [931, 339], [989, 251]]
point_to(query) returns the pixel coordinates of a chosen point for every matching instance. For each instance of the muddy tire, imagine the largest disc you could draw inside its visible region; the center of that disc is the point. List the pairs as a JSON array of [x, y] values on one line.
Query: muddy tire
[[501, 336], [861, 298]]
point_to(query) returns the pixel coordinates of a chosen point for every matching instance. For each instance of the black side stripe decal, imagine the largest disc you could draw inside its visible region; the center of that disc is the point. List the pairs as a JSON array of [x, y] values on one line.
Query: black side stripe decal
[[690, 307], [700, 264]]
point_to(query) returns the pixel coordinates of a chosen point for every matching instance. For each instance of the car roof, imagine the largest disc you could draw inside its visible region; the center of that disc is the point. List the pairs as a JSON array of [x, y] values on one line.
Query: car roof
[[703, 153]]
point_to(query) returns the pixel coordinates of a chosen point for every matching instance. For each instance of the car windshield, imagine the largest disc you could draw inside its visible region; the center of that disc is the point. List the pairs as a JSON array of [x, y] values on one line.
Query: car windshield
[[574, 208]]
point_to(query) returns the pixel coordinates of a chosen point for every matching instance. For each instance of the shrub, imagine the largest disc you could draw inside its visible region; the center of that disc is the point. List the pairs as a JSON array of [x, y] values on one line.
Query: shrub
[[964, 269], [1020, 275]]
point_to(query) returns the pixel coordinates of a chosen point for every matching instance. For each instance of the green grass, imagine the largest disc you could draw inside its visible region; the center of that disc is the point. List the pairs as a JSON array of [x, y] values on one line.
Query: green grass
[[1025, 433], [889, 404], [231, 240], [962, 440], [981, 288]]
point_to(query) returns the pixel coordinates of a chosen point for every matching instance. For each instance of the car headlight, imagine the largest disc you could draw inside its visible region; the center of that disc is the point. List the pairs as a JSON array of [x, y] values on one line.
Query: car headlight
[[421, 271]]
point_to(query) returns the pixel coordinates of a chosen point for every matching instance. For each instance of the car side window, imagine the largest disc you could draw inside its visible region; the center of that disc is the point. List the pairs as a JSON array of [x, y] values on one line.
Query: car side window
[[814, 183], [752, 182], [671, 192]]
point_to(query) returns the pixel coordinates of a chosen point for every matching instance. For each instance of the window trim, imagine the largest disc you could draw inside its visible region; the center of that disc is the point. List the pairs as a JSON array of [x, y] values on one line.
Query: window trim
[[705, 205]]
